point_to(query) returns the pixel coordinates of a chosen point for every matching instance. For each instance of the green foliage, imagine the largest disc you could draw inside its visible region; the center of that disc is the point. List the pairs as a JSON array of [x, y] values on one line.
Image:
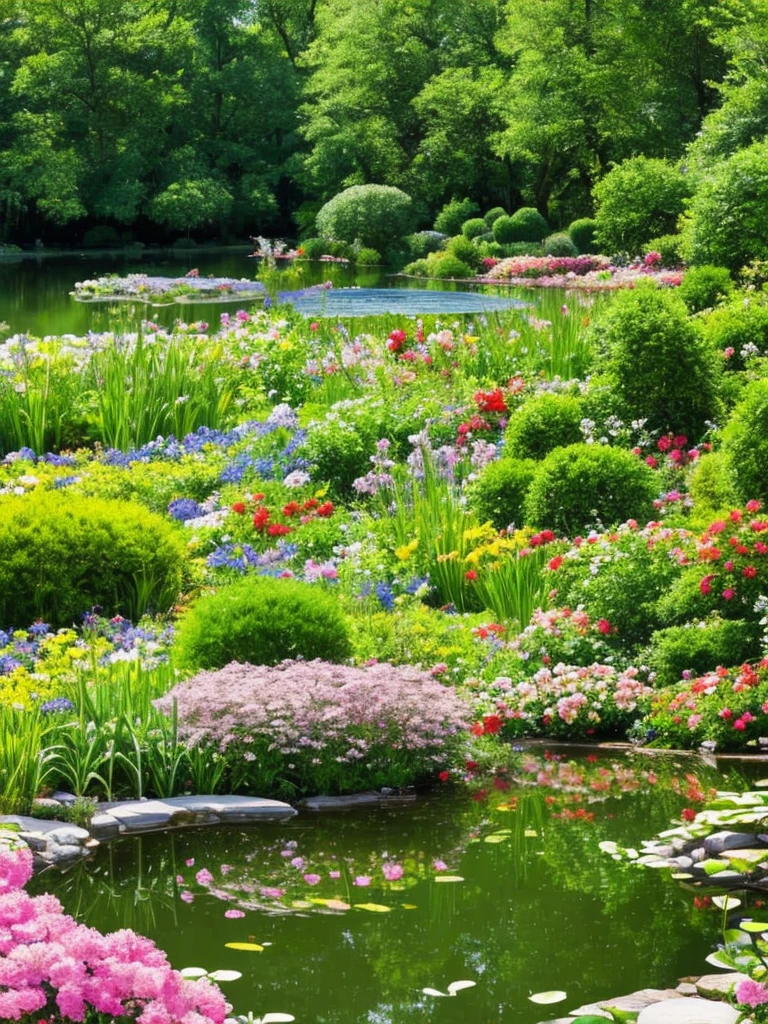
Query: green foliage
[[582, 234], [473, 227], [453, 215], [560, 245], [314, 248], [376, 214], [422, 243], [338, 454], [503, 231], [493, 215], [741, 325], [191, 203], [523, 249], [498, 493], [745, 443], [542, 424], [60, 554], [635, 201], [581, 485], [446, 265], [419, 268], [705, 286], [262, 621], [463, 249], [662, 369], [700, 648], [669, 247], [711, 485], [726, 223], [103, 236], [525, 225], [366, 257]]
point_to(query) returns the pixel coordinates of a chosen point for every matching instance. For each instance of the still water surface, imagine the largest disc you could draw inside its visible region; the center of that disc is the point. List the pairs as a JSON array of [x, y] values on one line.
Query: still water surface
[[537, 907]]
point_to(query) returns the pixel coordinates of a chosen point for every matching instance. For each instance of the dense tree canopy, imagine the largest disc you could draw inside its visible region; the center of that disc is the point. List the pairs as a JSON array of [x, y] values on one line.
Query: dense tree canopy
[[230, 117]]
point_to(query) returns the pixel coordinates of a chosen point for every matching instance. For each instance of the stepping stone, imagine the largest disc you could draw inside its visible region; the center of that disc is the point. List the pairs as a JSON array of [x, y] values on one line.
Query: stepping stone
[[719, 842], [633, 1003], [688, 1011], [718, 986], [185, 811]]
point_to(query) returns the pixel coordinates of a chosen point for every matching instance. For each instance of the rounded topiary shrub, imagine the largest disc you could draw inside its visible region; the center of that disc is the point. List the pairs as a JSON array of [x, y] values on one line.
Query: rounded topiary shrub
[[453, 215], [422, 243], [463, 249], [661, 368], [262, 621], [525, 225], [419, 268], [61, 554], [542, 424], [576, 487], [498, 493], [635, 201], [705, 286], [745, 443], [446, 265], [367, 257], [739, 329], [474, 227], [503, 231], [493, 215], [559, 245], [338, 454], [700, 648], [582, 234], [669, 247], [375, 214]]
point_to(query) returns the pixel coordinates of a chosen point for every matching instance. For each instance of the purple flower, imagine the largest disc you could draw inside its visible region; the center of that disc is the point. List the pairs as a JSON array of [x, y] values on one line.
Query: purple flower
[[233, 913], [311, 879], [204, 877], [298, 863], [187, 897], [392, 872], [362, 880]]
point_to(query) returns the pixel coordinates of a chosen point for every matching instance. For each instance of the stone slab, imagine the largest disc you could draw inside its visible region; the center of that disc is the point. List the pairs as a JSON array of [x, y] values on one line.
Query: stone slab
[[718, 986], [185, 811], [688, 1011], [104, 826], [632, 1003], [29, 824]]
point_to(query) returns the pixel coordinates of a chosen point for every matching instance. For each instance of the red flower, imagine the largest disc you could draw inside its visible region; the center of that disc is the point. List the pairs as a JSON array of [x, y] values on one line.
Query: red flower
[[556, 562], [239, 507], [492, 724], [650, 461], [603, 626], [680, 441], [444, 776], [396, 340], [291, 509], [477, 729], [706, 584], [470, 765], [728, 594], [591, 758], [491, 401], [325, 511], [749, 571], [310, 504], [664, 444], [547, 536], [259, 497], [752, 506], [278, 530], [470, 575], [688, 814], [261, 518]]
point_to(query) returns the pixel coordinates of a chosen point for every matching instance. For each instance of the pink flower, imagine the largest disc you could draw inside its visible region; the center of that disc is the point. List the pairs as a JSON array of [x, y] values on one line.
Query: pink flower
[[298, 863], [187, 897], [728, 594], [226, 868], [311, 879], [439, 865], [234, 913], [271, 892], [190, 863], [203, 877], [751, 993], [334, 874], [362, 880], [392, 872]]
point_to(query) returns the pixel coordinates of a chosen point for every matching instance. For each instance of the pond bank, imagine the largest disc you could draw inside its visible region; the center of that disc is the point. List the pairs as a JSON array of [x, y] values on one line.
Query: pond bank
[[693, 1001]]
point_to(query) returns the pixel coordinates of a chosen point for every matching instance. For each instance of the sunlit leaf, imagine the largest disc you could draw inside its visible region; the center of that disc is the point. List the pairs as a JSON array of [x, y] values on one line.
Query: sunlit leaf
[[193, 972], [717, 960], [331, 904], [408, 906], [248, 947], [375, 908], [225, 975], [531, 833], [714, 867], [545, 998], [754, 926], [277, 1018], [680, 876], [433, 992], [458, 986], [726, 902], [496, 839], [448, 878]]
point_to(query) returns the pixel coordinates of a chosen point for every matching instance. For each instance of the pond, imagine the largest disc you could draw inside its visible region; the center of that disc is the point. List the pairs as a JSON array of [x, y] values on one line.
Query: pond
[[349, 916], [34, 292]]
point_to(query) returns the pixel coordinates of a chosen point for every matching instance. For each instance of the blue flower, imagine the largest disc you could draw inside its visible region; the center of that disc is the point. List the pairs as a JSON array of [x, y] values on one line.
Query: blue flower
[[386, 596], [183, 509], [57, 704], [39, 629]]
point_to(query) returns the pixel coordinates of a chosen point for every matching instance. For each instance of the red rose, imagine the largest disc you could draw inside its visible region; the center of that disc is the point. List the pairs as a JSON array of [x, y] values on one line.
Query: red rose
[[492, 724], [444, 776], [239, 507]]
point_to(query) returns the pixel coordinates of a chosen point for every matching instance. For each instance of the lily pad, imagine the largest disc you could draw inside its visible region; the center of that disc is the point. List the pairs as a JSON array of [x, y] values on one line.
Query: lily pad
[[375, 908], [459, 986], [448, 878], [248, 947], [754, 926], [726, 902], [225, 975], [546, 998], [277, 1018]]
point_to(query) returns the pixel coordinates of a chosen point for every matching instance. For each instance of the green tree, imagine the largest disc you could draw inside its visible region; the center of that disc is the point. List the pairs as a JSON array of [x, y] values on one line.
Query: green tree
[[190, 203]]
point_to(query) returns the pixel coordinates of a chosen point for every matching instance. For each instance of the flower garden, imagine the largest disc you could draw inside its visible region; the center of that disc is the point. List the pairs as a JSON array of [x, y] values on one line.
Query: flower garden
[[280, 557]]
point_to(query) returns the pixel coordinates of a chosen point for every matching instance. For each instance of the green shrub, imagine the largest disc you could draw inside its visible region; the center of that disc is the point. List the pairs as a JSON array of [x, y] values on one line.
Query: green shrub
[[375, 214], [663, 371], [523, 249], [262, 621], [184, 243], [491, 249], [453, 215], [584, 484], [60, 554], [498, 493], [582, 234], [493, 215], [338, 247], [700, 648], [338, 452], [542, 424], [103, 236], [669, 247], [367, 257], [419, 268], [726, 223], [711, 485], [446, 265], [559, 245], [740, 325], [637, 200], [705, 286], [463, 249], [314, 248], [473, 227], [745, 442], [422, 243], [526, 225]]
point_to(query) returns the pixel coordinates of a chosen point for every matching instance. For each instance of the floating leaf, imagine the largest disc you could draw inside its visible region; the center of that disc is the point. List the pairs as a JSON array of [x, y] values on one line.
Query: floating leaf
[[375, 908], [496, 839], [458, 986], [680, 876], [225, 975], [545, 998], [248, 947], [531, 833], [754, 926], [331, 904], [408, 906], [717, 960], [193, 972], [714, 867], [277, 1018], [433, 992], [448, 878], [726, 902]]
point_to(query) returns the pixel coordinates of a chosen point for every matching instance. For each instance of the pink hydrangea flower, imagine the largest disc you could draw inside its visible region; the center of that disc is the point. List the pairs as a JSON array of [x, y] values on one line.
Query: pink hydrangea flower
[[751, 993], [362, 880], [392, 872], [234, 913]]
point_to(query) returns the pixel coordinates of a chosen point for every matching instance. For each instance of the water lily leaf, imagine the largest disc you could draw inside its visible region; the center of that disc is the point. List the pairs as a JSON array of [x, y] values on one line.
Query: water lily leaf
[[736, 937], [331, 904], [717, 960], [448, 878], [408, 906], [301, 904], [433, 992], [680, 876], [531, 833], [496, 839], [249, 947], [277, 1018], [754, 926], [193, 972], [545, 998], [225, 975], [714, 867], [458, 986], [375, 908], [726, 902]]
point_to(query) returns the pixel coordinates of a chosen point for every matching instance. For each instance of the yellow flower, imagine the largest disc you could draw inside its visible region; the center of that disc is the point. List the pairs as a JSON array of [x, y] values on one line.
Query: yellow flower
[[470, 339], [405, 551], [449, 557]]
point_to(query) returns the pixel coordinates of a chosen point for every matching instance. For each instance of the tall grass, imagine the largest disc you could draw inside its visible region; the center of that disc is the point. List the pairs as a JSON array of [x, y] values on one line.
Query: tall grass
[[26, 758], [37, 397]]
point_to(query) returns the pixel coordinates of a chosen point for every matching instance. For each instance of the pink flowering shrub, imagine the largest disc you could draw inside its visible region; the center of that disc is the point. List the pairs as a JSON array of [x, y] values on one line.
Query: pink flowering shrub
[[53, 966], [317, 727], [728, 707], [588, 273], [564, 701]]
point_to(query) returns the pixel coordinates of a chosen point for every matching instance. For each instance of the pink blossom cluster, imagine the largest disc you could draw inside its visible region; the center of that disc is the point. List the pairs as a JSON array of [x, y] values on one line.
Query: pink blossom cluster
[[50, 964], [586, 273], [547, 266], [320, 709]]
